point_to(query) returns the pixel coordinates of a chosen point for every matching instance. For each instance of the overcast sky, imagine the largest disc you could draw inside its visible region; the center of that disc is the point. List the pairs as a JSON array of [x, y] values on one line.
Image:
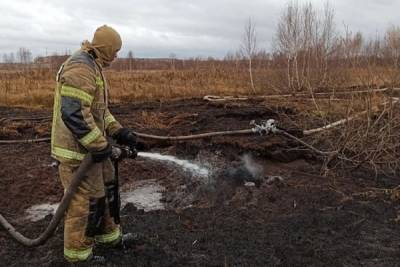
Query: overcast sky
[[157, 28]]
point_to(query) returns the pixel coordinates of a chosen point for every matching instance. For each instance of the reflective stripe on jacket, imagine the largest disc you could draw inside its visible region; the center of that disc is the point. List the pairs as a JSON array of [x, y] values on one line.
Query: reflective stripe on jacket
[[81, 118]]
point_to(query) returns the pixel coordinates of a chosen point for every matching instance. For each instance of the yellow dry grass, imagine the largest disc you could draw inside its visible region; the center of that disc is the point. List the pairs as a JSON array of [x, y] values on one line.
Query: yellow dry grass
[[35, 88]]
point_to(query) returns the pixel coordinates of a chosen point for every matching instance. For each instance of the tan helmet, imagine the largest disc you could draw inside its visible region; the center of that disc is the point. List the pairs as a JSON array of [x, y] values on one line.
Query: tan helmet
[[108, 42]]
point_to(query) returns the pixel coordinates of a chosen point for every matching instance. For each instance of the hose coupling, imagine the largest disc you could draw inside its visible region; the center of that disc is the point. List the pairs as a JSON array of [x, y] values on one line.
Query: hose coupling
[[265, 127]]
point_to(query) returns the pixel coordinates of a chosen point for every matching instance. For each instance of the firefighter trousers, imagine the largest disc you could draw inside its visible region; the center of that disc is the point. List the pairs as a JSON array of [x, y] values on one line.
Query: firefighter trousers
[[88, 220]]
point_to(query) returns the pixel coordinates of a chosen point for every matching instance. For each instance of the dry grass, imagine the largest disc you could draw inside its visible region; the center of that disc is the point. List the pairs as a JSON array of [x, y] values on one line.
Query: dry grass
[[26, 88], [29, 89], [35, 88], [369, 141]]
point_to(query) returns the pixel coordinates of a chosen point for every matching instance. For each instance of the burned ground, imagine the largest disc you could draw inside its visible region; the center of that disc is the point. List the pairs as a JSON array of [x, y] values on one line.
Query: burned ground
[[294, 217]]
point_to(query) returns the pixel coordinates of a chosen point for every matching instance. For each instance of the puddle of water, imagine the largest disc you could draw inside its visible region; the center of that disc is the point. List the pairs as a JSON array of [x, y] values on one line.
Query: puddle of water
[[185, 164], [144, 195], [38, 212]]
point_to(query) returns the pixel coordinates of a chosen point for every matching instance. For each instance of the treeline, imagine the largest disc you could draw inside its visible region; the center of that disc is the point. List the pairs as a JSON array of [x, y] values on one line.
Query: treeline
[[308, 51]]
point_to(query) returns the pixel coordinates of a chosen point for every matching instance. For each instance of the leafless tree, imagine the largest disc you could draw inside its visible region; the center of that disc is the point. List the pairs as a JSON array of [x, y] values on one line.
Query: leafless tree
[[24, 55], [172, 57], [392, 44], [326, 38], [307, 39], [130, 59], [230, 56], [351, 45], [289, 37], [9, 58], [248, 47]]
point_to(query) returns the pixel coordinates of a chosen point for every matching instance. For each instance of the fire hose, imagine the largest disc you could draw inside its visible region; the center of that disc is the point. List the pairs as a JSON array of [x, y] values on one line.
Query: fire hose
[[78, 177], [264, 128], [117, 155]]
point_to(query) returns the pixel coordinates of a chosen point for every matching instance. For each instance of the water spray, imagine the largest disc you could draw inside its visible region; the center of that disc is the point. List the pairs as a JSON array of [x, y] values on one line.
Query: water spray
[[185, 164], [264, 128]]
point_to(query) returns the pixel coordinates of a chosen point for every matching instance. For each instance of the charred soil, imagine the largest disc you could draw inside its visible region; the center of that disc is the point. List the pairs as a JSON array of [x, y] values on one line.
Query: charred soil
[[285, 215]]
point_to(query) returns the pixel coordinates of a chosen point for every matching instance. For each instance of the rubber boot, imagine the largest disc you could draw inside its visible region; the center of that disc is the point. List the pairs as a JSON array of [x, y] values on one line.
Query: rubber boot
[[93, 260], [129, 240]]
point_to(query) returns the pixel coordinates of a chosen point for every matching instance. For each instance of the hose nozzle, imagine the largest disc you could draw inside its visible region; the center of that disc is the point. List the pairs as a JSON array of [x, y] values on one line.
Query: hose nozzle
[[123, 152]]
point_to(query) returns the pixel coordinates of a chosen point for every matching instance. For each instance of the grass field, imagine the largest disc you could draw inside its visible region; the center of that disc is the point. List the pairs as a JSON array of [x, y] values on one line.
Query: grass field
[[368, 139], [34, 87]]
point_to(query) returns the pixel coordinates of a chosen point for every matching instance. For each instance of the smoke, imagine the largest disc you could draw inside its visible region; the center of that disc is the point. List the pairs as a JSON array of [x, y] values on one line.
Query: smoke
[[246, 170], [255, 169]]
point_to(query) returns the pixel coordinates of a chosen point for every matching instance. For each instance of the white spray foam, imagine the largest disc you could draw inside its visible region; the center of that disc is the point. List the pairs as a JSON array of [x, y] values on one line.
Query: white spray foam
[[145, 195], [38, 212], [185, 164]]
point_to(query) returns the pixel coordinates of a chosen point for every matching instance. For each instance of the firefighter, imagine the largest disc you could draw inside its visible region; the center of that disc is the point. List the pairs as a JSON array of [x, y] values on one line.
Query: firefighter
[[81, 124]]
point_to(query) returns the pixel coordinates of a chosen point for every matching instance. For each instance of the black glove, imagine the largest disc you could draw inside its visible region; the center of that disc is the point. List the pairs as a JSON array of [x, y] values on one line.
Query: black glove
[[125, 137], [101, 155], [140, 146]]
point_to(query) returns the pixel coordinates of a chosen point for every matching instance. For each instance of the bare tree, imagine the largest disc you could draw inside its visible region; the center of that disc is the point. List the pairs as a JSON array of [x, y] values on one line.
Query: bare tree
[[392, 44], [248, 48], [288, 37], [326, 39], [9, 58], [130, 59], [230, 56], [351, 46], [306, 40], [172, 57], [24, 55]]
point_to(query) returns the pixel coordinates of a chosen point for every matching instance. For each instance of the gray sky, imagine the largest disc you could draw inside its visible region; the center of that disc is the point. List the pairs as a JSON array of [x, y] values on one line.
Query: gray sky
[[157, 28]]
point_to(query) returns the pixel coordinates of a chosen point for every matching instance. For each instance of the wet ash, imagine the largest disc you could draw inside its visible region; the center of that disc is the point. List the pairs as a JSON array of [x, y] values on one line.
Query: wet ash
[[224, 181]]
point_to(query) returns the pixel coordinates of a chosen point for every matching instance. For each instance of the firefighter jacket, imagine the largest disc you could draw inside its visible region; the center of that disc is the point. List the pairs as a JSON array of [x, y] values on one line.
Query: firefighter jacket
[[81, 118]]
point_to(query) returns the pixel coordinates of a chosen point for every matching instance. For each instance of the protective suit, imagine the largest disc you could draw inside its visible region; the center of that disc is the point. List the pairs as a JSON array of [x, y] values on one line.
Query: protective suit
[[81, 123]]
